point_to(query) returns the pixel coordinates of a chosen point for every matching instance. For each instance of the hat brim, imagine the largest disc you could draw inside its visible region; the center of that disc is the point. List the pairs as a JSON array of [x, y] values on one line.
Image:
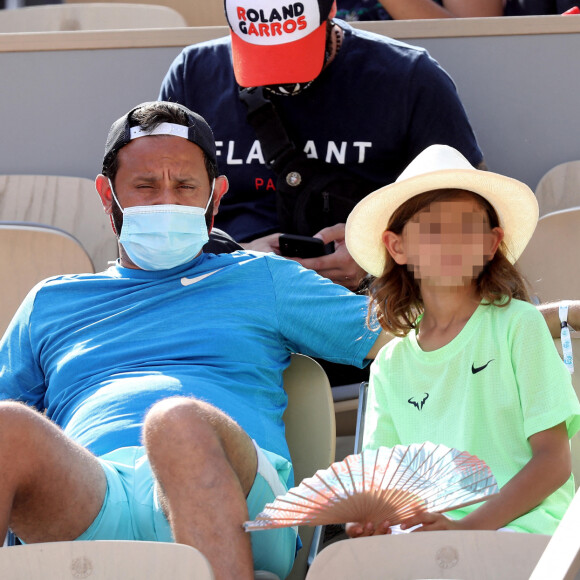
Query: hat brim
[[300, 61], [513, 201]]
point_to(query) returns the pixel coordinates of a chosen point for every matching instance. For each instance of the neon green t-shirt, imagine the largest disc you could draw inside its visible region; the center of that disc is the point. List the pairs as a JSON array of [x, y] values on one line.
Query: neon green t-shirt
[[499, 381]]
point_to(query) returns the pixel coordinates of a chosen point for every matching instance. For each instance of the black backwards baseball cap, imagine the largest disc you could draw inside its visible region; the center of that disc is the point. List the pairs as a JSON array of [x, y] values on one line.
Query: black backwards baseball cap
[[125, 129]]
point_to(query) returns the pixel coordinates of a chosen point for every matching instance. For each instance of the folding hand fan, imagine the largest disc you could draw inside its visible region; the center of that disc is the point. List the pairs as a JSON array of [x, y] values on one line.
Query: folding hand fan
[[382, 484]]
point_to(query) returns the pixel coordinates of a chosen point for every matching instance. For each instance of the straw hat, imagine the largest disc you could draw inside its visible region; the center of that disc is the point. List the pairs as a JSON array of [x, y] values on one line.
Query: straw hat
[[439, 167]]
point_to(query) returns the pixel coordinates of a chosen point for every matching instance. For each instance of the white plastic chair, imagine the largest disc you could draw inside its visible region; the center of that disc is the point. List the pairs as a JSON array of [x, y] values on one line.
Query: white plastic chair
[[30, 253], [468, 555], [104, 560], [89, 16], [195, 12], [559, 188], [550, 260], [310, 432], [69, 203]]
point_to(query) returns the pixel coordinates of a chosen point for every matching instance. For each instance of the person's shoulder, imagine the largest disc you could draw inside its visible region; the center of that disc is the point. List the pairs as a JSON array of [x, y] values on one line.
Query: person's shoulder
[[63, 279], [359, 36], [274, 262], [516, 306], [248, 257], [52, 288], [223, 43], [394, 347], [516, 312]]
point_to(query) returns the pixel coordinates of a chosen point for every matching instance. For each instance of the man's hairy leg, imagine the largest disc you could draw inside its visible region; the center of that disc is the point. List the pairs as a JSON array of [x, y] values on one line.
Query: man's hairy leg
[[205, 465], [50, 488]]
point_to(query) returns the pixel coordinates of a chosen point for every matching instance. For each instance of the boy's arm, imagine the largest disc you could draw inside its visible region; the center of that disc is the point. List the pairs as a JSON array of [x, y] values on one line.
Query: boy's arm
[[382, 339], [548, 469]]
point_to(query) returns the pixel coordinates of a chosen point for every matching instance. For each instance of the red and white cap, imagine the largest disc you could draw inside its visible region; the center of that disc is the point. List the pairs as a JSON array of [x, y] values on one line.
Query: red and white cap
[[277, 42]]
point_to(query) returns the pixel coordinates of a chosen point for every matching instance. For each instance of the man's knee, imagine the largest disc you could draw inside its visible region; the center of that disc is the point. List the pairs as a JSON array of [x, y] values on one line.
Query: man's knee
[[179, 416], [17, 421]]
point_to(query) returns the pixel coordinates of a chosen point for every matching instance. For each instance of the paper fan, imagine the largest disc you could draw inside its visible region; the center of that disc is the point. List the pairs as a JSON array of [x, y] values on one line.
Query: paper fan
[[382, 484]]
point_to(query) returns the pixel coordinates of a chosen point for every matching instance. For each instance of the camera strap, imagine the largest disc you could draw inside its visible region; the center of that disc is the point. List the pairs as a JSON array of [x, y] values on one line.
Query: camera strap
[[310, 193], [277, 148]]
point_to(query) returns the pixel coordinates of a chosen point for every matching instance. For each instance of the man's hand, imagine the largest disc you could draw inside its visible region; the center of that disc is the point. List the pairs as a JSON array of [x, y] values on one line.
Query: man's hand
[[357, 530], [339, 266], [266, 244]]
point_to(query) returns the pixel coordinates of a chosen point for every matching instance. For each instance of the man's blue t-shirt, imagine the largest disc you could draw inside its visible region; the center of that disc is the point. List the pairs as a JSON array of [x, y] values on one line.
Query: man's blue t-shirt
[[372, 111], [97, 350]]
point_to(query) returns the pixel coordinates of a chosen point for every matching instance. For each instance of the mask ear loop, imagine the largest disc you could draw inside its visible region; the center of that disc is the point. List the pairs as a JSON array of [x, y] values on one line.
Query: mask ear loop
[[114, 196], [210, 196], [209, 222]]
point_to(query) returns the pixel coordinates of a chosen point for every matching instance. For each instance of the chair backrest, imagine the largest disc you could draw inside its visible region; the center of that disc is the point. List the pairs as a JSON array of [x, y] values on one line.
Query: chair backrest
[[360, 416], [30, 253], [470, 555], [195, 12], [69, 203], [561, 558], [104, 560], [550, 260], [559, 188], [89, 16], [310, 432]]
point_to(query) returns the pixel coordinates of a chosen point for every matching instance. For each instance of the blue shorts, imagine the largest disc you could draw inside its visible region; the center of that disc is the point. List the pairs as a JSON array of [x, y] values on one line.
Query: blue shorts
[[131, 509]]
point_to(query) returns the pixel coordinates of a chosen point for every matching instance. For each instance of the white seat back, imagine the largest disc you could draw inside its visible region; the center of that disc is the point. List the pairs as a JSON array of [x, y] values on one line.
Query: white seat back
[[69, 203], [89, 16], [550, 260], [104, 560], [31, 253]]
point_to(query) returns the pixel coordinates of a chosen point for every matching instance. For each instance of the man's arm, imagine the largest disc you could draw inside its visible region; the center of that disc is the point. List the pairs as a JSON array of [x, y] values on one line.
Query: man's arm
[[421, 9]]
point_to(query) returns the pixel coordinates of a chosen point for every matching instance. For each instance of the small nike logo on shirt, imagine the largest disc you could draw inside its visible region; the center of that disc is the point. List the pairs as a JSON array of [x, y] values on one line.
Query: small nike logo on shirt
[[190, 281], [475, 369]]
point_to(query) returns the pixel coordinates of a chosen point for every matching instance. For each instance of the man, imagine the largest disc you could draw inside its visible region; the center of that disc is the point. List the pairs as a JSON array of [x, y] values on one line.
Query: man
[[162, 376], [359, 105]]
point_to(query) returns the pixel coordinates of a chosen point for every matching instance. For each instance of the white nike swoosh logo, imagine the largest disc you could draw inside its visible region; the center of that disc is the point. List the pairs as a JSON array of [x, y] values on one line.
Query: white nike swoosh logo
[[190, 281]]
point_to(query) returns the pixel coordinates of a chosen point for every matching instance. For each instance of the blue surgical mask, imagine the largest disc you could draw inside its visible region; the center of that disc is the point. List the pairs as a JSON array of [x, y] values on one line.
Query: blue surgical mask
[[161, 237]]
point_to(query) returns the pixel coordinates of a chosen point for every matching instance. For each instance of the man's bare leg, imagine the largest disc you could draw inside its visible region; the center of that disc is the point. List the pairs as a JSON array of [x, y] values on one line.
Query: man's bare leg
[[50, 488], [206, 465]]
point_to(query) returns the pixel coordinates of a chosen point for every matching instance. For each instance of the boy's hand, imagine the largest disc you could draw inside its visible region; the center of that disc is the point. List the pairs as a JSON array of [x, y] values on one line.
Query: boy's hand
[[358, 530], [430, 522]]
